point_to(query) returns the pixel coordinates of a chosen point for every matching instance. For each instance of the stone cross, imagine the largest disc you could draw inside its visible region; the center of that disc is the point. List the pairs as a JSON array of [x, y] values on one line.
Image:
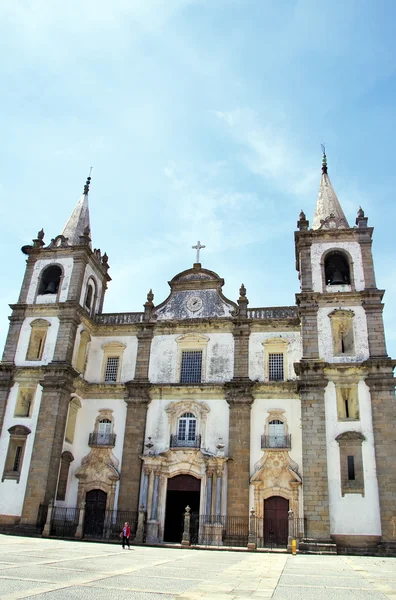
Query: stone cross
[[198, 247]]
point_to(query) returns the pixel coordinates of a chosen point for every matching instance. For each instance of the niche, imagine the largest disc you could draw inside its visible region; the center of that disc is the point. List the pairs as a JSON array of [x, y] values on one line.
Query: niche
[[342, 332]]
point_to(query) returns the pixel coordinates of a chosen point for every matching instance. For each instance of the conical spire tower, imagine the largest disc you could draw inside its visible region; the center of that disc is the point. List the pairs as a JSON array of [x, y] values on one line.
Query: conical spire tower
[[78, 223], [328, 212]]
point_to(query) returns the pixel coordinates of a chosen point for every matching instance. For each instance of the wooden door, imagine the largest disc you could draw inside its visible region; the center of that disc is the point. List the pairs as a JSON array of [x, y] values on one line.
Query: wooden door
[[276, 521]]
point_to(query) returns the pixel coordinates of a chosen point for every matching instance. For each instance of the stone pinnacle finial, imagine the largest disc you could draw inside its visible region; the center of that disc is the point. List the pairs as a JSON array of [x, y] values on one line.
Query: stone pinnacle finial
[[324, 160], [88, 182]]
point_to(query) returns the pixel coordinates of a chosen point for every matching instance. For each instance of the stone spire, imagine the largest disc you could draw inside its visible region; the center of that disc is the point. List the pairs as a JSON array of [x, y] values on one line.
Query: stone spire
[[78, 223], [328, 212]]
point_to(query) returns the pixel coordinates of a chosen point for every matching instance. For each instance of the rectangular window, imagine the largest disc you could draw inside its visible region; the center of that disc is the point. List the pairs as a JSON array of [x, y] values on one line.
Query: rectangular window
[[275, 366], [351, 468], [17, 459], [111, 372], [191, 366]]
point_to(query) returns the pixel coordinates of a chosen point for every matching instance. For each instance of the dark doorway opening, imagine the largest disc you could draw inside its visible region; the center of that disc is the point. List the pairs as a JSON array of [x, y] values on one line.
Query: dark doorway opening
[[183, 490], [95, 511], [276, 511]]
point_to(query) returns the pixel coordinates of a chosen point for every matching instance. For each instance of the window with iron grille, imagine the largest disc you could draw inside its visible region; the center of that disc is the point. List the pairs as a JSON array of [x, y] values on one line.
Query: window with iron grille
[[275, 367], [17, 458], [111, 372], [187, 427], [191, 366]]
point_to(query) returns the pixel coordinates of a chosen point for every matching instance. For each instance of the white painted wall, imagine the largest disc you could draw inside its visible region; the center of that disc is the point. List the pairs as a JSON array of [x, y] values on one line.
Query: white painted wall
[[85, 425], [217, 424], [353, 248], [325, 339], [23, 342], [90, 273], [218, 364], [256, 352], [67, 264], [93, 371], [352, 513], [12, 494]]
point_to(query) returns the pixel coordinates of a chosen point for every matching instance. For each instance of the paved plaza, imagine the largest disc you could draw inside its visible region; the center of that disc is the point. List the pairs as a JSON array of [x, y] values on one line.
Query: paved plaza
[[48, 569]]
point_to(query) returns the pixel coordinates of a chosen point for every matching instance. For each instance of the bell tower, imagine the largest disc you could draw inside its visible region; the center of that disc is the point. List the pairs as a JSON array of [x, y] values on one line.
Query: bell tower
[[346, 380], [62, 291]]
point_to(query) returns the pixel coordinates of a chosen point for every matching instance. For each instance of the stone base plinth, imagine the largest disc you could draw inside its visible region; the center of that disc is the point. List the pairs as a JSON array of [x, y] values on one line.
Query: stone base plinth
[[214, 533], [152, 528]]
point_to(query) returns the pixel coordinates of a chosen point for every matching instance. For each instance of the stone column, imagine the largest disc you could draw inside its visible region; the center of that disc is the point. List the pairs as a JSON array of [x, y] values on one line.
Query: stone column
[[48, 442], [6, 382], [209, 485], [154, 503], [239, 397], [314, 448], [382, 390], [186, 528], [152, 524], [80, 527], [219, 483], [144, 490]]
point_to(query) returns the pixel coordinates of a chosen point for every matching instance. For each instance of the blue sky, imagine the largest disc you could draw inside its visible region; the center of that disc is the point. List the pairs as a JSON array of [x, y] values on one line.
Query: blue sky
[[202, 119]]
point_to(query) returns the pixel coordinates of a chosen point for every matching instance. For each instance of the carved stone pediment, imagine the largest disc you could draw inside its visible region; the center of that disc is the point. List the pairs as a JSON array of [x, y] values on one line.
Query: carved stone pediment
[[99, 465], [276, 469]]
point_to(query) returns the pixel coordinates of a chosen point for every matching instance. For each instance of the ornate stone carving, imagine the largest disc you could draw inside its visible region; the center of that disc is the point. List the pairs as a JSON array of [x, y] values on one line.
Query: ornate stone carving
[[276, 474], [98, 470]]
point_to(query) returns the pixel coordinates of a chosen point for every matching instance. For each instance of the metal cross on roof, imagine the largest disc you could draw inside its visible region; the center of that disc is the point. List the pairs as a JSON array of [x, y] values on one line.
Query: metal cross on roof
[[198, 247]]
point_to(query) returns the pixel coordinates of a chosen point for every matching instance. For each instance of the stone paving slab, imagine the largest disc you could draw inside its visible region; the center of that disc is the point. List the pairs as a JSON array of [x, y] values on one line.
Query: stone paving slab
[[47, 569]]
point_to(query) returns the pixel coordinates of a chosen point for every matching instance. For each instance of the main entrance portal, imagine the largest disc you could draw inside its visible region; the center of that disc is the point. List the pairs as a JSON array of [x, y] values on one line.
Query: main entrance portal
[[183, 490], [276, 521]]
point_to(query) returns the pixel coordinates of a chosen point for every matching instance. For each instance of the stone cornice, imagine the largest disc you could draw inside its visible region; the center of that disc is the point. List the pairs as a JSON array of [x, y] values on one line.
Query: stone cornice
[[58, 376]]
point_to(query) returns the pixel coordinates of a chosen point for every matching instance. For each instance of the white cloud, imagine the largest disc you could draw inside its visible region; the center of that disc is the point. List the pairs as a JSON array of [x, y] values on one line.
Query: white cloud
[[265, 149]]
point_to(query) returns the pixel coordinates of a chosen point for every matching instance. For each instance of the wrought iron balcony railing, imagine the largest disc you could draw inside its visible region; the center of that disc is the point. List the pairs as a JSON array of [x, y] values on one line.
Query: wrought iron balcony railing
[[102, 439], [275, 441], [177, 442]]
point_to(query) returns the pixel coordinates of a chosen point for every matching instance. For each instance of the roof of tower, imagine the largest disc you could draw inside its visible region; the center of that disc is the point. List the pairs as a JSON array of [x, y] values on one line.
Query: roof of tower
[[328, 211], [78, 222]]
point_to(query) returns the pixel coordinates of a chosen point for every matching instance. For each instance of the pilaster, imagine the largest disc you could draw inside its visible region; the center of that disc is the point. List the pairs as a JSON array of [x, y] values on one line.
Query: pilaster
[[145, 335], [6, 382], [382, 391], [239, 397], [241, 335], [308, 310], [41, 485], [16, 320], [137, 402], [311, 385]]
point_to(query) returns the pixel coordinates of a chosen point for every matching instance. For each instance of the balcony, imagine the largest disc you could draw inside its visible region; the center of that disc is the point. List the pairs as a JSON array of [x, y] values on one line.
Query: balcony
[[102, 439], [275, 441], [176, 442]]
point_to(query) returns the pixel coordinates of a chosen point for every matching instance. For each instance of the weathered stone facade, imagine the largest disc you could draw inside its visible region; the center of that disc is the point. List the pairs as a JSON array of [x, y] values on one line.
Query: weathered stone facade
[[202, 400]]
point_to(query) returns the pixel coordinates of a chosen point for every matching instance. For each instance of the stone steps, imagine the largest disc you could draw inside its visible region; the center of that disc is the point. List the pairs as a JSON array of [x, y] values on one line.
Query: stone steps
[[308, 546]]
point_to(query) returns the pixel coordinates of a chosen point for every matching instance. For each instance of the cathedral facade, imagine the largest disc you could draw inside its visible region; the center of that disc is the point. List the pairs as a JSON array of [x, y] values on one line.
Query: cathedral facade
[[203, 401]]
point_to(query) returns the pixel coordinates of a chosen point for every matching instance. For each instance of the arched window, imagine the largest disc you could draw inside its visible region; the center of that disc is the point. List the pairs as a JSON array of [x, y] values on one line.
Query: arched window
[[16, 450], [50, 280], [276, 429], [90, 296], [337, 270], [66, 459], [187, 427], [104, 431], [85, 338]]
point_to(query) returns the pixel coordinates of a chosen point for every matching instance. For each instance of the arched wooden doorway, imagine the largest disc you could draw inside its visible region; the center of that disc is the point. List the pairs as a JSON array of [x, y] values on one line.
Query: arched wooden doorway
[[183, 490], [95, 511], [276, 511]]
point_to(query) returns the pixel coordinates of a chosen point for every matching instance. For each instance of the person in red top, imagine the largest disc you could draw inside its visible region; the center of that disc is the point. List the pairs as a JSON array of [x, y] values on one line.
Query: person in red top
[[126, 534]]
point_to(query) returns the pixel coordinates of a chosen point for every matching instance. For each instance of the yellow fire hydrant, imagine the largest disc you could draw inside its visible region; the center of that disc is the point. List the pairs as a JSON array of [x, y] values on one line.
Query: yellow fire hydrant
[[294, 547]]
